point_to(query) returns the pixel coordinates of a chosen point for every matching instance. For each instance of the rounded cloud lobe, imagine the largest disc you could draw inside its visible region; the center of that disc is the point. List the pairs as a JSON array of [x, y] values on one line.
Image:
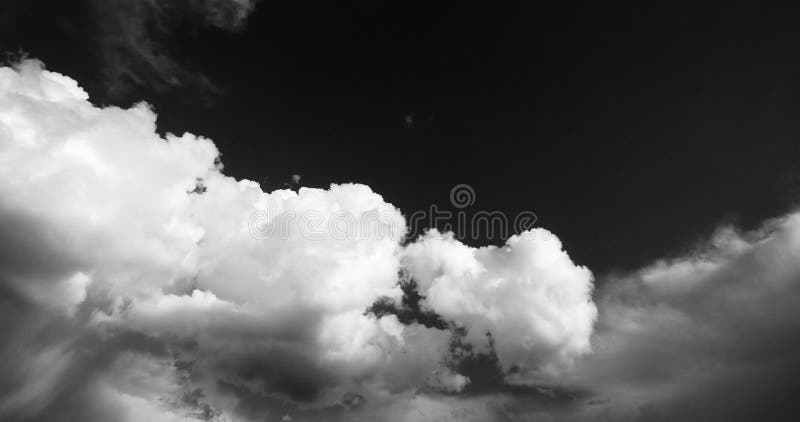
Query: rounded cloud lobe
[[135, 288], [528, 294]]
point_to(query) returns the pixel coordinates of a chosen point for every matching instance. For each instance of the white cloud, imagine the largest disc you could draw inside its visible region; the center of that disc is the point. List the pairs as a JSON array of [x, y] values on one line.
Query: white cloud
[[98, 214], [533, 299], [143, 252], [128, 294]]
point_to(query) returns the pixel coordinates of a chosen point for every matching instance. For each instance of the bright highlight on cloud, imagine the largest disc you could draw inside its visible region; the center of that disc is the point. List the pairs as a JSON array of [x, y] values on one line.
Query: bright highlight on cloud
[[133, 287], [528, 294]]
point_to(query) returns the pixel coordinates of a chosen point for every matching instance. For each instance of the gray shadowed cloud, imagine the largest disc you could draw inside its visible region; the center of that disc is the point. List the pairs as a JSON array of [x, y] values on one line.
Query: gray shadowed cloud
[[133, 289], [709, 336], [110, 229]]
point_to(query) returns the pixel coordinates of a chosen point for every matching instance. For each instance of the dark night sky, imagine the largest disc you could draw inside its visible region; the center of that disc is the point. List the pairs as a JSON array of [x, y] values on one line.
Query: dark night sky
[[630, 132]]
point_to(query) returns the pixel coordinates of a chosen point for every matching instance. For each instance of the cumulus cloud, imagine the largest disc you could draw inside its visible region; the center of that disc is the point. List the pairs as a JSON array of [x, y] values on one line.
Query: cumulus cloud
[[528, 294], [136, 285], [101, 221], [708, 335], [138, 282]]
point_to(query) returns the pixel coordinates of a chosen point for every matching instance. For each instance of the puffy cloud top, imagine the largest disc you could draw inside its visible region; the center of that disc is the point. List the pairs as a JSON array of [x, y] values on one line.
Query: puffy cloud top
[[147, 284], [533, 299], [138, 282]]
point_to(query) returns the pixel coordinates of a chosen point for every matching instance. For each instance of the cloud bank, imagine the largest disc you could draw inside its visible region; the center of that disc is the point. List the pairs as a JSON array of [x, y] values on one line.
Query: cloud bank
[[711, 335], [133, 287]]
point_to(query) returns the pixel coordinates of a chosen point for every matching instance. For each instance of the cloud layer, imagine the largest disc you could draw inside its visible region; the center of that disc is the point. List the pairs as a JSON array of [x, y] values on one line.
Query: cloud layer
[[134, 286], [708, 336]]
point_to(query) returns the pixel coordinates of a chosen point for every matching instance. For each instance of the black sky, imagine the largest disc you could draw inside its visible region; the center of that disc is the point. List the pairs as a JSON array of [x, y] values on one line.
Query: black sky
[[629, 131]]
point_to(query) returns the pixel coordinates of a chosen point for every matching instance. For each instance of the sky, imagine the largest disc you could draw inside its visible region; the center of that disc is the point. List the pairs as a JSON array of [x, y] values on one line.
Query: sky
[[209, 211]]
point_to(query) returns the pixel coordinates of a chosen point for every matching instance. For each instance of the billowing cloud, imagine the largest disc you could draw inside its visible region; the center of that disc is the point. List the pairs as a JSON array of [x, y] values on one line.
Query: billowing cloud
[[140, 282], [528, 294], [710, 335]]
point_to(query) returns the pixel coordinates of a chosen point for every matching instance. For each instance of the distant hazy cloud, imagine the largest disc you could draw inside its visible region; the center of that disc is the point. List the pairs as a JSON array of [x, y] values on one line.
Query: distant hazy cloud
[[709, 336], [134, 38]]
